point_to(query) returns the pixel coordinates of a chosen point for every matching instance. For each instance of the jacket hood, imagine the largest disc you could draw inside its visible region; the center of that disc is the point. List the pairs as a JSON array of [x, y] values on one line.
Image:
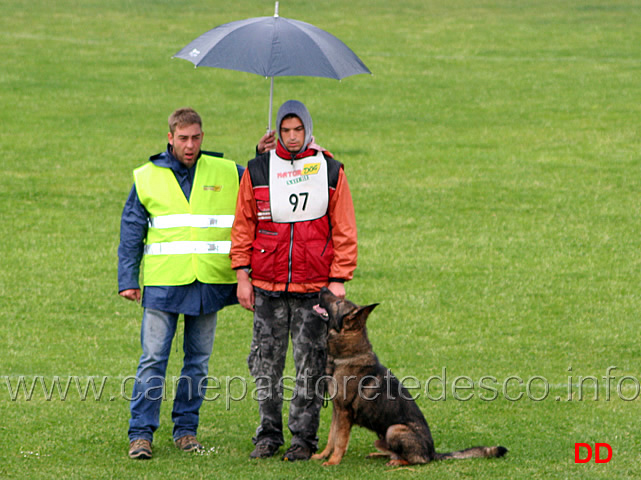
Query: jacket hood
[[294, 107]]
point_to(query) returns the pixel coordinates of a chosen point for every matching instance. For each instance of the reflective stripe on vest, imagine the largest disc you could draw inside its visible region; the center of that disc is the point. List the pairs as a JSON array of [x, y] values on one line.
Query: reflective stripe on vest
[[183, 248], [195, 221], [188, 240]]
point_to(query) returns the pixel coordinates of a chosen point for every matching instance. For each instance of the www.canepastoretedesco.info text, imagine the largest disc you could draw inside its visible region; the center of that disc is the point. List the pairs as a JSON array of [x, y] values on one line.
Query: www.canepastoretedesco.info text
[[236, 388]]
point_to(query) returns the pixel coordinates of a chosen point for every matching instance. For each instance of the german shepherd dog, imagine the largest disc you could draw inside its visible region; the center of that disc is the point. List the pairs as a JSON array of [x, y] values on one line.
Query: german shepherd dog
[[366, 393]]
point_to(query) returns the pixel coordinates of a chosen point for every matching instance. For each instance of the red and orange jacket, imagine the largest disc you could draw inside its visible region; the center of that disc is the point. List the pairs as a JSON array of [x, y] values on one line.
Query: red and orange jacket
[[298, 257]]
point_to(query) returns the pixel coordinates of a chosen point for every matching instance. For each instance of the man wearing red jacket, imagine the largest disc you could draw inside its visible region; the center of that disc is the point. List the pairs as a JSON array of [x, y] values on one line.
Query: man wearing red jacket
[[294, 232]]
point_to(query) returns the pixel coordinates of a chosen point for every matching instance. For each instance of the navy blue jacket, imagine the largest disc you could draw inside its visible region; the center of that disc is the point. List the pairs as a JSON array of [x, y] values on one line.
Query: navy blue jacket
[[194, 299]]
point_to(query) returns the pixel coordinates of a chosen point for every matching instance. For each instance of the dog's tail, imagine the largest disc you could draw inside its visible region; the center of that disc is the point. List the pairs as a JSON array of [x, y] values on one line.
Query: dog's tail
[[474, 452]]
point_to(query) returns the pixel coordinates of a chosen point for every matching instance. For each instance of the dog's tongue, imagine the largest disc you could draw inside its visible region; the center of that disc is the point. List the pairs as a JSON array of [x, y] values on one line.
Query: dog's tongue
[[320, 310]]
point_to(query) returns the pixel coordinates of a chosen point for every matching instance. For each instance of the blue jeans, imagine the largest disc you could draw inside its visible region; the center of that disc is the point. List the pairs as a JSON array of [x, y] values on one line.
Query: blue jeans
[[157, 332]]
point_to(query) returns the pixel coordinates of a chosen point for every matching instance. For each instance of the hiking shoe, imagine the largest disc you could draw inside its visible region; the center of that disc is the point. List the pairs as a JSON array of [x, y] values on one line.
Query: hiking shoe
[[297, 452], [188, 443], [140, 449], [264, 450]]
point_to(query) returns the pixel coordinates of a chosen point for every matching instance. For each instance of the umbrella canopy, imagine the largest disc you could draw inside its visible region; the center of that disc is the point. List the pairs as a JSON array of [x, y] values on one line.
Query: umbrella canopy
[[274, 47]]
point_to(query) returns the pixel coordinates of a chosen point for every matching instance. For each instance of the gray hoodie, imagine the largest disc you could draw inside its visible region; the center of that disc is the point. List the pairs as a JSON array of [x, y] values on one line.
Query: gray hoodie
[[294, 107]]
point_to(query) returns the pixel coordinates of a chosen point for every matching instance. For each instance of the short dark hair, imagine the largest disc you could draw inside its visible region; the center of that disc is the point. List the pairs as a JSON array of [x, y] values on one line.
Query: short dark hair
[[290, 115]]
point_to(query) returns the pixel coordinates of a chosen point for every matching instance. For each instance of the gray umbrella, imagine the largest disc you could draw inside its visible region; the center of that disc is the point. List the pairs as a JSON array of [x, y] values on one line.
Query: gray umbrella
[[274, 47]]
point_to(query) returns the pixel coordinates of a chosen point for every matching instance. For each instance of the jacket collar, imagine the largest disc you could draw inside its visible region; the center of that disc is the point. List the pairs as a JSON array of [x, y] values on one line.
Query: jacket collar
[[166, 159]]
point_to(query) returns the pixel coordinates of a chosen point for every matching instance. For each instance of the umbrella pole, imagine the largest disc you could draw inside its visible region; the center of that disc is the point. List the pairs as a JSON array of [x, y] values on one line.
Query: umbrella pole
[[271, 87], [271, 102]]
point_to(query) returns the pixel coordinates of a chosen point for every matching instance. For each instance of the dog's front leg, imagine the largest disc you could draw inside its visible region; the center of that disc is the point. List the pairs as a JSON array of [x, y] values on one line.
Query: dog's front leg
[[341, 435], [329, 448]]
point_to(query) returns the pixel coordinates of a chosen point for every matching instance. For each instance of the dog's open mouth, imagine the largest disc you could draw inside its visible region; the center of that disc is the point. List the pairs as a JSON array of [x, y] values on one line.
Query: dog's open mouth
[[321, 312]]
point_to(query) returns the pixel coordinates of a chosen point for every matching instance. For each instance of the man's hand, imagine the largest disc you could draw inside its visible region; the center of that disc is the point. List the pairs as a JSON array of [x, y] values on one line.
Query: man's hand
[[268, 142], [132, 294], [245, 290], [337, 288]]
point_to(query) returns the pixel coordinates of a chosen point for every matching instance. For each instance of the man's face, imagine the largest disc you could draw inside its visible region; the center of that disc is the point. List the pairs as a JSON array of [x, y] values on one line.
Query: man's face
[[186, 141], [292, 134]]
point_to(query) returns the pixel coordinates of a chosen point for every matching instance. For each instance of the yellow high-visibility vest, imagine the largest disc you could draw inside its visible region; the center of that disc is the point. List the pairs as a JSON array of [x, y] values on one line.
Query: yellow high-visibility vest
[[188, 240]]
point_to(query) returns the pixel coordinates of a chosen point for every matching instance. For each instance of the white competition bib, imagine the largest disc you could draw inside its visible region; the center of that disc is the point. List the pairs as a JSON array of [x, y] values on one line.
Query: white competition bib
[[298, 190]]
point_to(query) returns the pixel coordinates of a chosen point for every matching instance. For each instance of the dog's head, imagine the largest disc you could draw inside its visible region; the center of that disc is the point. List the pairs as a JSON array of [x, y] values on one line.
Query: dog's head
[[342, 315]]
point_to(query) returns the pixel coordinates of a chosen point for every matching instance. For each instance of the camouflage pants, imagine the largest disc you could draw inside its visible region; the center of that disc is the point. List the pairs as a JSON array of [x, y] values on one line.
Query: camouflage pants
[[275, 318]]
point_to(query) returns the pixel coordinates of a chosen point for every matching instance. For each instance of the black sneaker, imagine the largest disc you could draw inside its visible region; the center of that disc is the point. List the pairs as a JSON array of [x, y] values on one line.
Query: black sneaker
[[297, 452], [264, 450]]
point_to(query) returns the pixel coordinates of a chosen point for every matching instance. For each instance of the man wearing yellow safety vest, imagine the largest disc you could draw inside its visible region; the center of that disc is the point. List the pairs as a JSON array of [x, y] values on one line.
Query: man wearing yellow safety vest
[[177, 223]]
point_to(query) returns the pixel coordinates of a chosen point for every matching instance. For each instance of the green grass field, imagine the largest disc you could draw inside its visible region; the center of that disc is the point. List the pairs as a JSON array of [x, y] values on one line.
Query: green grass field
[[494, 161]]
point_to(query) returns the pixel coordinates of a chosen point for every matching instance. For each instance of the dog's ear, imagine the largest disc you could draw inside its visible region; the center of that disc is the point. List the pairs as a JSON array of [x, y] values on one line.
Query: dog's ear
[[359, 316], [367, 309]]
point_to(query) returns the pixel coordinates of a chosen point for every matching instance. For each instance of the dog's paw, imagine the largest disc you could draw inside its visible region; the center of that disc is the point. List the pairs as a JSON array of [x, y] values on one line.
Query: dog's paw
[[374, 455], [399, 462], [331, 461]]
